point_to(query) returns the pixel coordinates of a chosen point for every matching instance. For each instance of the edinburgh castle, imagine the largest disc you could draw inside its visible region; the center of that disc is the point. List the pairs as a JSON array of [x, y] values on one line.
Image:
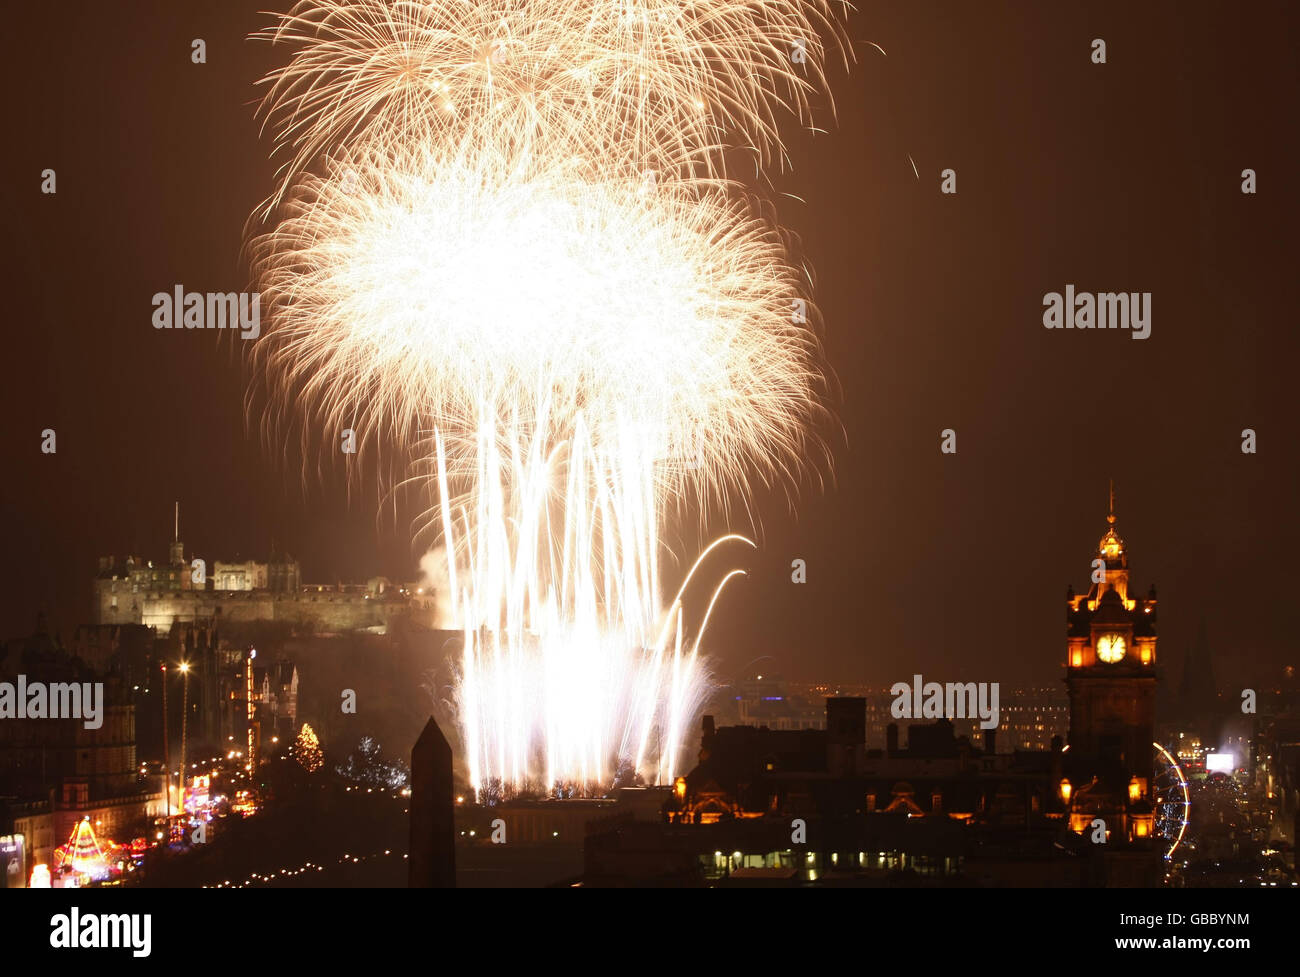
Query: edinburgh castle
[[137, 591]]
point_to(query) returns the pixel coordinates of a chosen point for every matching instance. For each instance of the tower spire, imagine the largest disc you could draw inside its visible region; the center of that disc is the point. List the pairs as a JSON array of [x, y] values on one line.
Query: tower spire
[[1112, 547], [177, 550]]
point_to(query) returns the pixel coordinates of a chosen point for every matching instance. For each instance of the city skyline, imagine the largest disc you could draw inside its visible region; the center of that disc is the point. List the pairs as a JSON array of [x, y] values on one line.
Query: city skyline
[[925, 330], [792, 663], [554, 443]]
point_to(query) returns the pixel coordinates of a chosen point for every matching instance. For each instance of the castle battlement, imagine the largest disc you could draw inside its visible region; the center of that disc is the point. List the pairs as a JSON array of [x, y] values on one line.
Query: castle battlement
[[138, 591]]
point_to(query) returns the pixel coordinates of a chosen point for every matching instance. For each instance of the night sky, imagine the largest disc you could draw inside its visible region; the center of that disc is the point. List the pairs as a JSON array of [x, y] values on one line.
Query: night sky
[[1117, 177]]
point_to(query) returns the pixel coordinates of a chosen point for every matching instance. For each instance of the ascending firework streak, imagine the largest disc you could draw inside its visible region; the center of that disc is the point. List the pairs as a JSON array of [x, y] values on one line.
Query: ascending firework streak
[[504, 251]]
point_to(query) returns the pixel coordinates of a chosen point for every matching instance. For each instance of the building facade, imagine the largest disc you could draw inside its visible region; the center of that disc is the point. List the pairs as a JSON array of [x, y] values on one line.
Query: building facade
[[56, 772], [1111, 677], [827, 806], [138, 591]]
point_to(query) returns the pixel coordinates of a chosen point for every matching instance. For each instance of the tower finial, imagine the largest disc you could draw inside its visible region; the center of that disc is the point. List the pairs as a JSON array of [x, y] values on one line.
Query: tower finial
[[1110, 517], [176, 528]]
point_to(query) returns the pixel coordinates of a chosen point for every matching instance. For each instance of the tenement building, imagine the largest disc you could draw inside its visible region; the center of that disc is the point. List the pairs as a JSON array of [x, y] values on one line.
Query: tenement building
[[57, 771]]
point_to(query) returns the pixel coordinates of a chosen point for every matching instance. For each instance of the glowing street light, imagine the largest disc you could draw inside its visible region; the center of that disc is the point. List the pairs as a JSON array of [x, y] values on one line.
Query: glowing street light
[[185, 706]]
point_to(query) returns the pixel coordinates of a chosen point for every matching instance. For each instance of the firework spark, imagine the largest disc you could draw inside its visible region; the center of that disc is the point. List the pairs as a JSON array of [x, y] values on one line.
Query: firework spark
[[503, 253], [640, 85], [417, 297]]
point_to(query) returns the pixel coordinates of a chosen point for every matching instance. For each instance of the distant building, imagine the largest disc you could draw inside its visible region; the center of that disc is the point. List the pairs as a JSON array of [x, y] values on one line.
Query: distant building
[[1276, 748], [136, 591], [1029, 718], [249, 575], [768, 806], [1111, 678], [1194, 719], [767, 700], [786, 807], [55, 772], [276, 689]]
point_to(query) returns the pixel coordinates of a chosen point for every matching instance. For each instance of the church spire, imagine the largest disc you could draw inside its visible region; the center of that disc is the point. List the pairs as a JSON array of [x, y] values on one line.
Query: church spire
[[1110, 518]]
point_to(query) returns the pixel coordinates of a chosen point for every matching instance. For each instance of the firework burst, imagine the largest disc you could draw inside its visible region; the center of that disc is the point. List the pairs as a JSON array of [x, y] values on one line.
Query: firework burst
[[639, 85], [503, 253]]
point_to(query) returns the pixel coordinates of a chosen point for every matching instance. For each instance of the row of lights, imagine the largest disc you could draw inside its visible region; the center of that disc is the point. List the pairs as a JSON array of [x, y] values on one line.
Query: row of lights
[[290, 873]]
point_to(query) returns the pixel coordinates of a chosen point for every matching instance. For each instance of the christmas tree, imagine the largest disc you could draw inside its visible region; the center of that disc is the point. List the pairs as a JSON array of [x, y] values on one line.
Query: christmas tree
[[307, 749]]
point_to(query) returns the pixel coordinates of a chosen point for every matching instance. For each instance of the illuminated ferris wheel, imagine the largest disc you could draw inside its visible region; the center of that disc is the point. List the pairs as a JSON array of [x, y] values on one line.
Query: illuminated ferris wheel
[[1171, 799], [1172, 802]]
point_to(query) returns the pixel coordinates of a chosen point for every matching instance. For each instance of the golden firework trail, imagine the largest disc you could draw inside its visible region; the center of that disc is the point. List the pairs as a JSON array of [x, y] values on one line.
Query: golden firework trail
[[646, 85], [504, 252]]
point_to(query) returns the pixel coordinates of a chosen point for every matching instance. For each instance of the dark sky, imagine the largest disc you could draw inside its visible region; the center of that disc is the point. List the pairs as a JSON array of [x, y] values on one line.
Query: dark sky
[[1123, 176]]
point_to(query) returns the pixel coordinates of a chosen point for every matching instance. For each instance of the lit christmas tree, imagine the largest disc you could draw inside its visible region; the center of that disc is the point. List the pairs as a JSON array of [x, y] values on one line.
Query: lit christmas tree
[[307, 749]]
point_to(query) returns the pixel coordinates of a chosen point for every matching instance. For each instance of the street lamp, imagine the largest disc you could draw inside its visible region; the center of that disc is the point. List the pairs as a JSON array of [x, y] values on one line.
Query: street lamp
[[185, 707], [167, 757]]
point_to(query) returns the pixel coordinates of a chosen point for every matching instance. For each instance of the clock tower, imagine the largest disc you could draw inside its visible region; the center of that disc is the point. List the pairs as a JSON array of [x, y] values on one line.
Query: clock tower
[[1111, 677]]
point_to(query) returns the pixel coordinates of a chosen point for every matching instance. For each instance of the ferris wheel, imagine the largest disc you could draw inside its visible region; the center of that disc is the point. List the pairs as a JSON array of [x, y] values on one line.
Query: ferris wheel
[[1170, 798], [1171, 801]]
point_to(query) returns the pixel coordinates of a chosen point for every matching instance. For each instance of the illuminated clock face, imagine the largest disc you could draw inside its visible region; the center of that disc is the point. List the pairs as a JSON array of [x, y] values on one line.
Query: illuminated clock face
[[1110, 647]]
